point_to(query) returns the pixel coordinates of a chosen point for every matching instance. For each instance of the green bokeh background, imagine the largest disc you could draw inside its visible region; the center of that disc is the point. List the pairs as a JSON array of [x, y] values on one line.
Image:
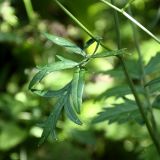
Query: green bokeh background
[[23, 47]]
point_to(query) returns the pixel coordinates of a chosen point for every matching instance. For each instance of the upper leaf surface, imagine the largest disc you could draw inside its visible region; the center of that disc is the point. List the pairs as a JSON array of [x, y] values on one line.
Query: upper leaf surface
[[65, 43], [44, 71]]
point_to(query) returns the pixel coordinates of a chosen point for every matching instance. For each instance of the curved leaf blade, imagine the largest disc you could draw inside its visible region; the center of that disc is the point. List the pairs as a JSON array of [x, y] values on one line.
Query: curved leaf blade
[[51, 93], [44, 71], [74, 89], [37, 78], [80, 89], [65, 43], [70, 112]]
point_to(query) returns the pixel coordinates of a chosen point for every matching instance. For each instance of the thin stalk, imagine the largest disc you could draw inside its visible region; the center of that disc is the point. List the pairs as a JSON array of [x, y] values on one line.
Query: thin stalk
[[116, 20], [143, 80], [80, 24], [151, 132], [29, 9], [132, 20]]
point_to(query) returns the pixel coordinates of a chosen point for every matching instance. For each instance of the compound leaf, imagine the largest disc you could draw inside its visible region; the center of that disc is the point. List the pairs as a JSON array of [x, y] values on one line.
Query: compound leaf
[[120, 113], [118, 91]]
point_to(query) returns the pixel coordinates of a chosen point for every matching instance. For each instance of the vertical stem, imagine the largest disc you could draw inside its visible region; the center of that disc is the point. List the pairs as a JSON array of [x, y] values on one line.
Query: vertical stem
[[152, 133], [29, 9], [143, 80], [116, 20]]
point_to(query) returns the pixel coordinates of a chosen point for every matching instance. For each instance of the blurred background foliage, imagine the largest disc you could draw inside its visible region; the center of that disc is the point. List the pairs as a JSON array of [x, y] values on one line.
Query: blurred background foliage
[[22, 47]]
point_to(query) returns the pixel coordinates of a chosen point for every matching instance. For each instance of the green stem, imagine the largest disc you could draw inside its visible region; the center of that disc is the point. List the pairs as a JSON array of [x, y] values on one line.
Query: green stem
[[29, 9], [131, 19], [80, 24], [116, 20]]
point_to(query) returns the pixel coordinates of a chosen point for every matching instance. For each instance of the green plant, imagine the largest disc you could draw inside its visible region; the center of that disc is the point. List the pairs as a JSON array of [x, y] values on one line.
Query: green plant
[[70, 96]]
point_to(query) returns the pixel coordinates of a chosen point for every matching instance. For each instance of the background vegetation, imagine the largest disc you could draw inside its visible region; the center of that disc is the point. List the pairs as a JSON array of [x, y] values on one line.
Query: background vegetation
[[23, 46]]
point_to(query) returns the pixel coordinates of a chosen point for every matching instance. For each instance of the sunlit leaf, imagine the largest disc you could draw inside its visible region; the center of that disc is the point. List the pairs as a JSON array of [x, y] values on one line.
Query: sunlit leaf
[[109, 53], [65, 43]]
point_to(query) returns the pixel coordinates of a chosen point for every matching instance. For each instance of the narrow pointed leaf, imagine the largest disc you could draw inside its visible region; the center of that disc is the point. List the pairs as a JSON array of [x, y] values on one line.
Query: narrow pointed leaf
[[70, 112], [50, 123], [65, 43], [80, 89], [74, 89], [44, 71], [109, 53]]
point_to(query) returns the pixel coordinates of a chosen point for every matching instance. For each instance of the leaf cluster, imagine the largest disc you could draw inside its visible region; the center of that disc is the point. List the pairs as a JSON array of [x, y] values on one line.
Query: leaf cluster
[[69, 97]]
